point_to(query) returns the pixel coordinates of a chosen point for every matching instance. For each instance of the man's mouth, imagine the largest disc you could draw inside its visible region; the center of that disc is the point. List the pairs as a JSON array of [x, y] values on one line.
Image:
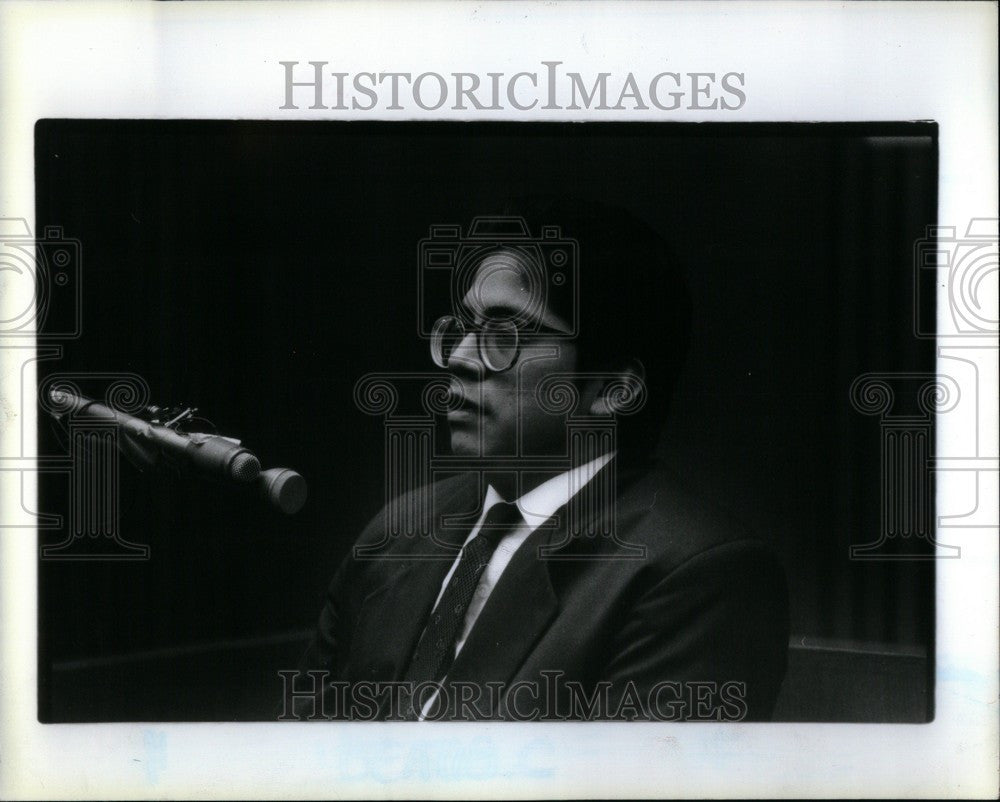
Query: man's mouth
[[463, 408]]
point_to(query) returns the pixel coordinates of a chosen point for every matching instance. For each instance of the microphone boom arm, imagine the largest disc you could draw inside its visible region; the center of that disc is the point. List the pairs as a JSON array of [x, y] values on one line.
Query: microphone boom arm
[[148, 445]]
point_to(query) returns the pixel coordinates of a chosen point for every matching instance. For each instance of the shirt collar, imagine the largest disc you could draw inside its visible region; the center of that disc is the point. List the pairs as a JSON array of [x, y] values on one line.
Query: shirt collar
[[541, 503]]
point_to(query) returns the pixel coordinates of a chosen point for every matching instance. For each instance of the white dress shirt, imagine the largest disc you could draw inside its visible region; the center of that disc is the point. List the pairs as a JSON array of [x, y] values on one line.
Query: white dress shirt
[[536, 506]]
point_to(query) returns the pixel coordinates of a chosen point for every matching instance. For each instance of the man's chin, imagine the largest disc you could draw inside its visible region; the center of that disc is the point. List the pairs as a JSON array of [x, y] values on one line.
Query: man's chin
[[468, 441], [465, 442]]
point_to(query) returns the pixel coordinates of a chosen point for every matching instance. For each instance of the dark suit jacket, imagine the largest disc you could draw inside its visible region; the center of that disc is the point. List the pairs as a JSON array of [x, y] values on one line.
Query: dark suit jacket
[[705, 608]]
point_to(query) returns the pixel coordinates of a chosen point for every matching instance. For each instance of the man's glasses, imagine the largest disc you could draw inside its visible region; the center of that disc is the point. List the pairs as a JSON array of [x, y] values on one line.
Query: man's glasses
[[499, 341]]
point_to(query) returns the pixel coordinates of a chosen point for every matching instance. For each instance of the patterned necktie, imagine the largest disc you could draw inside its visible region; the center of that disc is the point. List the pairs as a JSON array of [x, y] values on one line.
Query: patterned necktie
[[436, 650]]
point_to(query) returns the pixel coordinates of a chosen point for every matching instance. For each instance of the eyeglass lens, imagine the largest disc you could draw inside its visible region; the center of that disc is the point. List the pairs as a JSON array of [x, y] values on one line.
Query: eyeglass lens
[[497, 341]]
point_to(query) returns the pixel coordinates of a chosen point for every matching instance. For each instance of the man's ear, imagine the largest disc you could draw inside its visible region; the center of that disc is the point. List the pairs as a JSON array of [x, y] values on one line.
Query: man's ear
[[626, 391]]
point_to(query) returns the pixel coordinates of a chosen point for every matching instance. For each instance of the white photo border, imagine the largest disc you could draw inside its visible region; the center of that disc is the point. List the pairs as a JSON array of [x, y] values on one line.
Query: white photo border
[[802, 61]]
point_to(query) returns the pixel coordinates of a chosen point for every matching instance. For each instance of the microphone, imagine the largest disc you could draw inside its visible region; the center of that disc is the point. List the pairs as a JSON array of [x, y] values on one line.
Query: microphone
[[151, 445]]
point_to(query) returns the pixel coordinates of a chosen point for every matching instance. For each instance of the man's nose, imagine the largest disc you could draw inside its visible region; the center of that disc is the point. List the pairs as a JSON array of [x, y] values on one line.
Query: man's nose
[[466, 355]]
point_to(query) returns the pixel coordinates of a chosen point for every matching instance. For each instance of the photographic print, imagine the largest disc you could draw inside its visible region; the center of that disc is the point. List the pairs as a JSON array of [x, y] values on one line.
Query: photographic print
[[683, 356], [456, 400]]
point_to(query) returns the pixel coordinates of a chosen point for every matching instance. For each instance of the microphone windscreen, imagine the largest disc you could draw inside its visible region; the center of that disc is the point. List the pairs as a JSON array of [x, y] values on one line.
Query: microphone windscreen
[[284, 488]]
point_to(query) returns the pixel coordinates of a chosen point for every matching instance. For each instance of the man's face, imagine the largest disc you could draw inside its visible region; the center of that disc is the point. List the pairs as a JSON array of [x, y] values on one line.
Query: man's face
[[500, 415]]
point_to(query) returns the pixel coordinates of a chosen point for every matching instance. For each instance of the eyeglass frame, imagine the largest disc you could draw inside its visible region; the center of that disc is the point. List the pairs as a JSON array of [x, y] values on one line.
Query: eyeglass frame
[[518, 332]]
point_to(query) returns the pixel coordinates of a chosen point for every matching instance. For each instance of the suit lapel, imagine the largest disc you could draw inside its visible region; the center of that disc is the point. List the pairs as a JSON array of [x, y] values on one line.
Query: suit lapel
[[517, 613], [392, 617], [525, 600]]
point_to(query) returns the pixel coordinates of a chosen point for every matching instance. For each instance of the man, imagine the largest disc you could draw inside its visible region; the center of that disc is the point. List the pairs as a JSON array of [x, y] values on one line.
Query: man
[[580, 581]]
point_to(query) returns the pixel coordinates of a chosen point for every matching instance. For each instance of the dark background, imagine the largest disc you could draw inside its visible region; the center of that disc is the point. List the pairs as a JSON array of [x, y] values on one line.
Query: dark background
[[258, 269]]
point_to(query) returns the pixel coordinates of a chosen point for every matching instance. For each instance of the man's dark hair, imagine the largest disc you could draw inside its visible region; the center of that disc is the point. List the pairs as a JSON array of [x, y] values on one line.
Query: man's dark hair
[[634, 302]]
